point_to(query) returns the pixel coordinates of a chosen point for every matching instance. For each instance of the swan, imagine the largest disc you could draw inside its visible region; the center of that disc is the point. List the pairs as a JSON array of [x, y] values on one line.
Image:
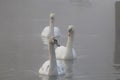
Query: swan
[[51, 30], [67, 52], [52, 66]]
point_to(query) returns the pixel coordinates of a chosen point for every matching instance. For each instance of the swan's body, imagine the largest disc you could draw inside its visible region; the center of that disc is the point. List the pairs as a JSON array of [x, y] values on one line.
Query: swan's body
[[46, 66], [51, 66], [67, 52], [61, 53], [46, 32], [51, 30]]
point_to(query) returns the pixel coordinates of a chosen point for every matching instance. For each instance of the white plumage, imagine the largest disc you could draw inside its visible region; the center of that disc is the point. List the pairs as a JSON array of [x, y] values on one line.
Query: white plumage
[[67, 52], [46, 66], [61, 53], [50, 30], [46, 32], [52, 66]]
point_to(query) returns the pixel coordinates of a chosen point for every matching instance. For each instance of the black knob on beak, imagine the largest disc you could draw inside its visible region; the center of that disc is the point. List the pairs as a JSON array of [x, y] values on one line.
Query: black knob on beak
[[56, 42]]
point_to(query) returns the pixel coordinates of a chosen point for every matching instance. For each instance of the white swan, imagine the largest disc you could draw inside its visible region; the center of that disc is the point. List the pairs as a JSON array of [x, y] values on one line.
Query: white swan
[[51, 30], [67, 52], [52, 66]]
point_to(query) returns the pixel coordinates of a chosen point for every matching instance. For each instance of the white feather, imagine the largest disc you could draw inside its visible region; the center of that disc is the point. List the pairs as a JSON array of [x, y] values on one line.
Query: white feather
[[52, 66], [45, 68], [61, 53], [67, 52], [46, 32]]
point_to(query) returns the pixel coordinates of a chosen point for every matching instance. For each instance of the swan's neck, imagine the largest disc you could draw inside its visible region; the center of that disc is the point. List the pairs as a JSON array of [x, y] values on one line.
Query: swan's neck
[[53, 64], [69, 42], [51, 27], [69, 46]]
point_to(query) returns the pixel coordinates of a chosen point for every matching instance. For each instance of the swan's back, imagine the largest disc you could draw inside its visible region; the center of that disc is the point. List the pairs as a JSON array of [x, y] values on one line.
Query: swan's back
[[46, 32]]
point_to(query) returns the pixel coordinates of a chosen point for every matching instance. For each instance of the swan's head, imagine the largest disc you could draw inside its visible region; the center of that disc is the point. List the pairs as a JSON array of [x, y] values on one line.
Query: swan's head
[[70, 30], [53, 41], [52, 15]]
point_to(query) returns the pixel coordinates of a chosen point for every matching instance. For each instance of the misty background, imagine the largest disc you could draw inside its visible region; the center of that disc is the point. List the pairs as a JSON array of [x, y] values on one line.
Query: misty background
[[22, 50]]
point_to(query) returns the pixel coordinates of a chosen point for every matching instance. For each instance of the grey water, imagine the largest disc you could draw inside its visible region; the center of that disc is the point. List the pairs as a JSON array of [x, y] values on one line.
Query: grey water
[[22, 51]]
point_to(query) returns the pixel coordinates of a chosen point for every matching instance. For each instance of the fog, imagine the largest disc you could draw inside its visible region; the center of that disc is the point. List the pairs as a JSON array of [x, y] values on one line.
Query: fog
[[22, 50]]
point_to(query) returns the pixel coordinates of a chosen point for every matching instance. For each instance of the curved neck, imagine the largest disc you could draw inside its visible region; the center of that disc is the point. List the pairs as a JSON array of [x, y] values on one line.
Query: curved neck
[[69, 46], [69, 43], [53, 64], [51, 25]]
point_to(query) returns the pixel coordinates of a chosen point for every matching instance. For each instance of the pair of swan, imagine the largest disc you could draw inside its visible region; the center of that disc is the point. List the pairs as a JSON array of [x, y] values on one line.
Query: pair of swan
[[53, 66]]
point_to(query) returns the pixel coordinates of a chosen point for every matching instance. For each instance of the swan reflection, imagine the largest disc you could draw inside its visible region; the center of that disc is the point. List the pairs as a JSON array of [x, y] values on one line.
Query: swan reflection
[[48, 77], [69, 69]]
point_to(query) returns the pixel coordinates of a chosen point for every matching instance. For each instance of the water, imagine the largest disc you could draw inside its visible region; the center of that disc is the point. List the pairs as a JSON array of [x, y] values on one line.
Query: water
[[22, 51]]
